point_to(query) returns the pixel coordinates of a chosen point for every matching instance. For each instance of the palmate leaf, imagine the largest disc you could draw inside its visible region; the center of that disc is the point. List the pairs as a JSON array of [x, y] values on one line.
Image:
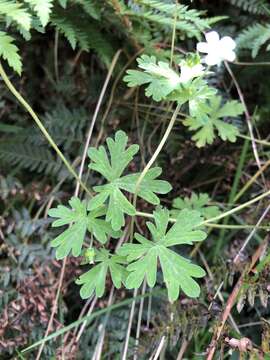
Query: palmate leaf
[[206, 118], [161, 78], [196, 202], [178, 272], [112, 168], [79, 221], [94, 279]]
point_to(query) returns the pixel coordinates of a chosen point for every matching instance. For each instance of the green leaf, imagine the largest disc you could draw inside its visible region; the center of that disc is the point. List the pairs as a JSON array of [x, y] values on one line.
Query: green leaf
[[91, 7], [71, 240], [63, 3], [205, 117], [94, 279], [9, 52], [111, 168], [99, 227], [15, 12], [43, 9], [148, 187], [161, 78], [196, 202], [178, 272]]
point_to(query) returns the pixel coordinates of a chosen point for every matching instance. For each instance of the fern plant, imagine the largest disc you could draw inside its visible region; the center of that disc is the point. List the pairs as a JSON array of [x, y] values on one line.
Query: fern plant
[[259, 7], [22, 16], [254, 37], [163, 16]]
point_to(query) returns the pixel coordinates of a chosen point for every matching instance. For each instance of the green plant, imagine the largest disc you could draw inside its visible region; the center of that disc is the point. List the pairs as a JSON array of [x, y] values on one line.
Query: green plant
[[128, 226], [252, 6], [24, 16], [103, 215], [254, 37], [199, 202]]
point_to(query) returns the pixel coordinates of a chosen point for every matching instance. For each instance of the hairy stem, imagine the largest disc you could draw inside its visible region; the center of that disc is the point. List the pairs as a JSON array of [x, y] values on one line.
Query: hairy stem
[[220, 216]]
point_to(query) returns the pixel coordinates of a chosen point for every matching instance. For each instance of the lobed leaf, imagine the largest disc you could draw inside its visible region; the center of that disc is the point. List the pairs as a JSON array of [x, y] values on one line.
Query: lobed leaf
[[196, 202], [112, 167], [94, 279], [79, 221], [177, 271], [206, 118], [161, 78]]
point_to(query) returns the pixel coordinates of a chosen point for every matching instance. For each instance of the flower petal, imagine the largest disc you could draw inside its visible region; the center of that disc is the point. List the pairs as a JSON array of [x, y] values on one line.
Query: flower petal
[[202, 47], [212, 37], [212, 59], [228, 42], [230, 56]]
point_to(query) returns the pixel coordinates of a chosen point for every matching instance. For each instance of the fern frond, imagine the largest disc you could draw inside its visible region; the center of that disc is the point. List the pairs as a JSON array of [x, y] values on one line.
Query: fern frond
[[90, 7], [259, 7], [28, 156], [66, 126], [253, 38], [9, 52], [14, 11], [71, 32], [188, 21], [84, 32], [43, 9]]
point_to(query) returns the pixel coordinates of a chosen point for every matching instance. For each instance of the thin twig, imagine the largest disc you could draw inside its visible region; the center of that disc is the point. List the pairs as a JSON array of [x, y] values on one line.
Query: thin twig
[[99, 346], [159, 349], [218, 291], [91, 308], [182, 349], [220, 216], [76, 192], [55, 51], [251, 180], [100, 99], [251, 234], [124, 356], [231, 301], [135, 357], [248, 117]]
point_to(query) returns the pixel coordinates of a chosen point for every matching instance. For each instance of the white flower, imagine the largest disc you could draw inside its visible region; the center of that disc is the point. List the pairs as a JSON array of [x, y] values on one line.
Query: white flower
[[190, 72], [217, 49]]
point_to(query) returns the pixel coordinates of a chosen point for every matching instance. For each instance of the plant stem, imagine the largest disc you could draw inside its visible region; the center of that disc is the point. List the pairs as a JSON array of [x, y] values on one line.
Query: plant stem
[[158, 150], [153, 159], [262, 63], [220, 216], [28, 108], [258, 141], [232, 194]]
